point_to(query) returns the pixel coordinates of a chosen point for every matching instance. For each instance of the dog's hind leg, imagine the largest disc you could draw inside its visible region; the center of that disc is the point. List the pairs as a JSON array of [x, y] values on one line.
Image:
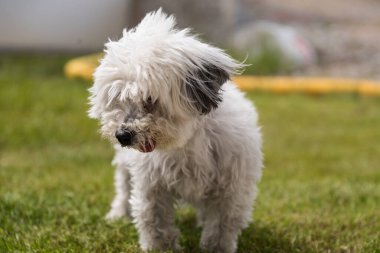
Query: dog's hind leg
[[120, 206]]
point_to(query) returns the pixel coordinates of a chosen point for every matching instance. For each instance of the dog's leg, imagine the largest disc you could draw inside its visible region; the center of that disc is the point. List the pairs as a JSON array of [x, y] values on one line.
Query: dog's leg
[[153, 213], [120, 205], [200, 217], [223, 220]]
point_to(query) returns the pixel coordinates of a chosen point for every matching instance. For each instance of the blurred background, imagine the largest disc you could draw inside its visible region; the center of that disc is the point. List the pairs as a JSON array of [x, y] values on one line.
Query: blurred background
[[338, 38]]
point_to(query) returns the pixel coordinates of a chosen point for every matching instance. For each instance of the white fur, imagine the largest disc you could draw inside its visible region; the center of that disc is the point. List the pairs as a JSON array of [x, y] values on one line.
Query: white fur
[[213, 161]]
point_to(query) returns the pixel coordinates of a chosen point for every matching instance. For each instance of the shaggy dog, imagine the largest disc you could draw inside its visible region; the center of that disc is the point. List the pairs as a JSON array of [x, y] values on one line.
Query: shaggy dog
[[181, 129]]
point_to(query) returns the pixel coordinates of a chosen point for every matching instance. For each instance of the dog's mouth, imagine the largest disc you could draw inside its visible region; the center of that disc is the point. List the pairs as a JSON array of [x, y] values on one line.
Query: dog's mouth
[[147, 146]]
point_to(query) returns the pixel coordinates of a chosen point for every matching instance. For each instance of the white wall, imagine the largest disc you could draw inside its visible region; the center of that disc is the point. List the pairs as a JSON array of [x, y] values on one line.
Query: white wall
[[60, 24]]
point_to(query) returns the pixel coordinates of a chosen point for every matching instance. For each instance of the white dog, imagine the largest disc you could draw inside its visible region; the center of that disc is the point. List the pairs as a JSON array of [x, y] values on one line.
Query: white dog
[[181, 130]]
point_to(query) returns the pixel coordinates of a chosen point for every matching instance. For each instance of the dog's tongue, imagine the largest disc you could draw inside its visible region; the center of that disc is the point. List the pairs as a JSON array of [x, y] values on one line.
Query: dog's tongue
[[148, 146]]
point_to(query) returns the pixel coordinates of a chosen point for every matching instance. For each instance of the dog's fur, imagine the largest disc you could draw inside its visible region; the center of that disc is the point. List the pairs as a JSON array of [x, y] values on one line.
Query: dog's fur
[[174, 93]]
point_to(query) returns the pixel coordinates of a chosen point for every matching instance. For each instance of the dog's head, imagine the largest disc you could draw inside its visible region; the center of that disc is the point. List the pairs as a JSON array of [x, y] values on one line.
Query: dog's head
[[155, 84]]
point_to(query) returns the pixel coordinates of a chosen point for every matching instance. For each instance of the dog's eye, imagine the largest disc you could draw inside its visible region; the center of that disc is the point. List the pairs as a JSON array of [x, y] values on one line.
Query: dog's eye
[[149, 104]]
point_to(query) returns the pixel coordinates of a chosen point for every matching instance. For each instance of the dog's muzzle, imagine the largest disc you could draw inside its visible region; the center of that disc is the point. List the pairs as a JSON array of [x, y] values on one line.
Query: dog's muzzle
[[125, 138]]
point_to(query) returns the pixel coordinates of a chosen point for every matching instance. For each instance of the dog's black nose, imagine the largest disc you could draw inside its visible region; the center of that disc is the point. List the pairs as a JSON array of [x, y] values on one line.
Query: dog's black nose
[[125, 137]]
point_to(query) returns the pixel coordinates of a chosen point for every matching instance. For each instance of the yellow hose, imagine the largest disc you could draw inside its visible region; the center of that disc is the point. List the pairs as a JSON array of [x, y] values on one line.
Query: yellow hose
[[83, 67]]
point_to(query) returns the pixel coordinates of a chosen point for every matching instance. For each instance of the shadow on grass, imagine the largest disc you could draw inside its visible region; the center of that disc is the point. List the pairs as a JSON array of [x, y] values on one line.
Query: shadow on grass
[[263, 238], [258, 238]]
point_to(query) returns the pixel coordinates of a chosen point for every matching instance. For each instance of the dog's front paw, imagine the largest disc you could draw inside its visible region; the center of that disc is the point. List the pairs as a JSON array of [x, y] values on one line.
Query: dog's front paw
[[166, 240], [176, 248], [116, 214], [214, 245]]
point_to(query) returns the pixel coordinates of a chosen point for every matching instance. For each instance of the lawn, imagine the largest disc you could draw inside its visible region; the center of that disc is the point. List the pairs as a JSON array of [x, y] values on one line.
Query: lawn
[[320, 191]]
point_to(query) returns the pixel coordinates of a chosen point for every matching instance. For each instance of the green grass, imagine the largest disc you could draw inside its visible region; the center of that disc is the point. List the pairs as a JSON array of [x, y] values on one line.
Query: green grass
[[320, 191]]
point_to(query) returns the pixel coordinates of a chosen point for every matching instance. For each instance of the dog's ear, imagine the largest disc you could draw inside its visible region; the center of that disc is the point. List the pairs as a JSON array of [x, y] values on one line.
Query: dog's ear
[[203, 87]]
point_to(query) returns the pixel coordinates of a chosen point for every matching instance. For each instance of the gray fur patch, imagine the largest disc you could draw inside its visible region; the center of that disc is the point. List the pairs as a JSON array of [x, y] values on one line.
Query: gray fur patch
[[203, 87]]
